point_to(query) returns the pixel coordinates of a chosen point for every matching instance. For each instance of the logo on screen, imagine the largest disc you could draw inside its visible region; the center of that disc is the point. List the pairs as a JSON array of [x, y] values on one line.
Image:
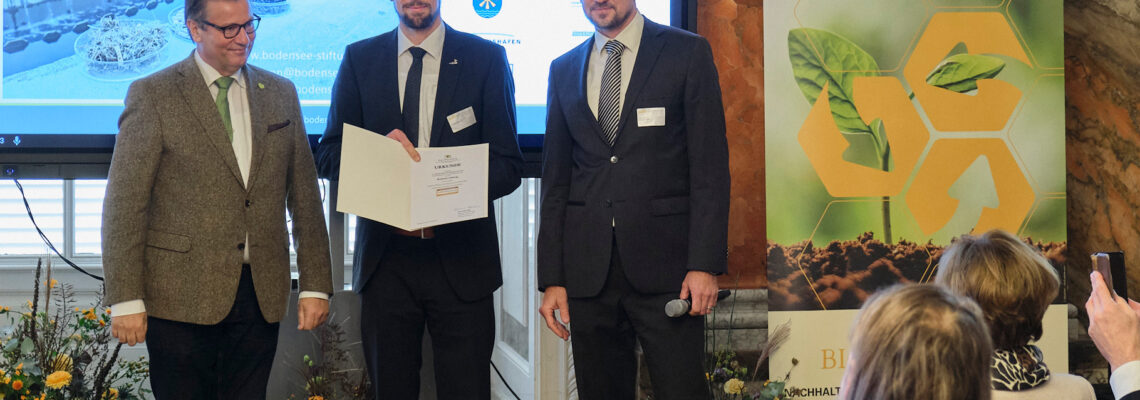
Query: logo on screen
[[487, 8]]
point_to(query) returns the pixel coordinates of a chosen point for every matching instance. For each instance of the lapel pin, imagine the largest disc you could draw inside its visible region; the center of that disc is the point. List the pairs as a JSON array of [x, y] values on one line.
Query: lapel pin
[[454, 61], [260, 85]]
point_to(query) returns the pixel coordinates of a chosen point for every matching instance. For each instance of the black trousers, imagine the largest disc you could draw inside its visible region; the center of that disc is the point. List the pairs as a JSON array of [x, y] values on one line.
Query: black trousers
[[605, 328], [230, 360], [406, 294]]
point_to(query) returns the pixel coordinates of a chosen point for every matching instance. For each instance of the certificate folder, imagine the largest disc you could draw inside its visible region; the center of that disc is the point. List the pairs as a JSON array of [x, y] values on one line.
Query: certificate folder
[[379, 181]]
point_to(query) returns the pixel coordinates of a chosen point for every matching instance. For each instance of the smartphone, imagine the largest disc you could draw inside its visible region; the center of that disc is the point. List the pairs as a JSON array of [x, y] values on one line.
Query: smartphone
[[1111, 267]]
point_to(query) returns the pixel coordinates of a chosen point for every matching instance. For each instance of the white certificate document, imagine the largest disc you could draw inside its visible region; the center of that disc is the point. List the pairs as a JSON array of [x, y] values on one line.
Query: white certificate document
[[380, 182]]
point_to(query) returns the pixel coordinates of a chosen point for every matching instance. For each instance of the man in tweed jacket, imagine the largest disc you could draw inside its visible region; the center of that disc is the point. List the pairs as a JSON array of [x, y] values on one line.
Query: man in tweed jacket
[[195, 244]]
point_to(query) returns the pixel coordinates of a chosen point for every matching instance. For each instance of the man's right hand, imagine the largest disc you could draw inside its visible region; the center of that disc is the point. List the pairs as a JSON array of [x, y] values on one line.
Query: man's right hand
[[1114, 324], [399, 136], [554, 299], [129, 329]]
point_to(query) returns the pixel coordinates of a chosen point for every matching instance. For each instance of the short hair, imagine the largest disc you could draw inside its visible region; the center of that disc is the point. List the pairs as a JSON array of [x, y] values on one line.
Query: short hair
[[1008, 278], [918, 341], [196, 9]]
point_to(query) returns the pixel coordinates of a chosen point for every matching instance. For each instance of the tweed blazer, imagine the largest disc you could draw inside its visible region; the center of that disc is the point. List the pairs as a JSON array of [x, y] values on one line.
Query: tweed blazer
[[176, 212]]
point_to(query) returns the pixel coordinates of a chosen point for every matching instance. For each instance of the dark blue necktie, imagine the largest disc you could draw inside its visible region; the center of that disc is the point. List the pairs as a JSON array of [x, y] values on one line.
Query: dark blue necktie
[[412, 96]]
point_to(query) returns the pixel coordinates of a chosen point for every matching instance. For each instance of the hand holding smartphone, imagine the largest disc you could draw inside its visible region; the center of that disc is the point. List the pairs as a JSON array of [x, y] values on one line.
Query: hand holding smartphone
[[1111, 267]]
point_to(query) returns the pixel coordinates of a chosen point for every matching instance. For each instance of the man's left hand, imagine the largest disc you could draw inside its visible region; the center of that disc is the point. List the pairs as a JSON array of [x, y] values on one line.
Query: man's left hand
[[311, 313], [700, 289]]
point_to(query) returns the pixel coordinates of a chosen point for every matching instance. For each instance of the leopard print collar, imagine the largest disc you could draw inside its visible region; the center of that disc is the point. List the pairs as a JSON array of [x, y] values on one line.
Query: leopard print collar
[[1020, 368]]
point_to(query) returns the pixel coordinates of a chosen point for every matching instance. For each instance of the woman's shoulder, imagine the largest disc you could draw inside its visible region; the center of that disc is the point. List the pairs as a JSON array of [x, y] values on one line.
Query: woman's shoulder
[[1060, 386]]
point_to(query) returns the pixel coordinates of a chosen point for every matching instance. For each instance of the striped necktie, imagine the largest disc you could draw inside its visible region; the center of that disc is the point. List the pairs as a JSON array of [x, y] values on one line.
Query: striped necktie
[[609, 99]]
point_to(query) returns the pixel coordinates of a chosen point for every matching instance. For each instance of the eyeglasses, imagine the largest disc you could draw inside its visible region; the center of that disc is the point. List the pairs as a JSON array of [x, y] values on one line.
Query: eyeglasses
[[231, 31]]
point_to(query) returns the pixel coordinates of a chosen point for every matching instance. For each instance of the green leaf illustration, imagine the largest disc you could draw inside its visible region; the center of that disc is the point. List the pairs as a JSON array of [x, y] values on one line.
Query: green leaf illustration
[[862, 149], [842, 61], [960, 72], [879, 132], [867, 149]]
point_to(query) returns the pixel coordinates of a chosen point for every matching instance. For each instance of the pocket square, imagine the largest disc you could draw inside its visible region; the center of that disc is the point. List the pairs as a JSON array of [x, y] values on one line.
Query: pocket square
[[279, 125]]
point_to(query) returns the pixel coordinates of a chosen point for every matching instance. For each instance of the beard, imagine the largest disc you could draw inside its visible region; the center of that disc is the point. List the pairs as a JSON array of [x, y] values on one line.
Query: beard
[[416, 22], [617, 19]]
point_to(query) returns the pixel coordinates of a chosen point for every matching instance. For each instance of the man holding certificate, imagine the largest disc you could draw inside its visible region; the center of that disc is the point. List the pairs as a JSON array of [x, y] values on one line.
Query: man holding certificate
[[425, 84]]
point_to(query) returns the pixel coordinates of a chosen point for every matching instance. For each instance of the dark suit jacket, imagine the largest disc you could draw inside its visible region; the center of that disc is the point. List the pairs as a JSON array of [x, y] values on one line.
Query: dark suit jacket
[[473, 73], [1131, 396], [662, 192], [176, 212]]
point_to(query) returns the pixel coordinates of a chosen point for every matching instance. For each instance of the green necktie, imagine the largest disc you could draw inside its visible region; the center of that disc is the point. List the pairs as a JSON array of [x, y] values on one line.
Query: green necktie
[[224, 104]]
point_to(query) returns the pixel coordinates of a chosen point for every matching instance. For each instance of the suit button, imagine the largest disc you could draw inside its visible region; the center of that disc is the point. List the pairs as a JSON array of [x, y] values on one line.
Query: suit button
[[247, 203], [241, 246], [613, 159], [609, 203]]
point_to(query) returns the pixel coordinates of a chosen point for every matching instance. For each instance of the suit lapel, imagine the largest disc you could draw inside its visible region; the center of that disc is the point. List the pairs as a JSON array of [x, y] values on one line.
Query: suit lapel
[[197, 96], [583, 64], [259, 127], [387, 64], [445, 87], [647, 53]]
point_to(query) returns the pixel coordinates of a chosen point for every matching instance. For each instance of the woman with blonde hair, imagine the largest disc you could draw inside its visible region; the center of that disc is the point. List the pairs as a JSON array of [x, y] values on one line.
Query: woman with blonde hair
[[1014, 285], [918, 341]]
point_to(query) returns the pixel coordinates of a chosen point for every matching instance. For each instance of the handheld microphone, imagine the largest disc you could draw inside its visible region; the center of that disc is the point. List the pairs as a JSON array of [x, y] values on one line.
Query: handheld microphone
[[678, 307]]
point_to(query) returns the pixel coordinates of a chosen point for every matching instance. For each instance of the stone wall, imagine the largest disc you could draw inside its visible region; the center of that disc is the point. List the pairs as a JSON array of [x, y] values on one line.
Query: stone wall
[[735, 30], [1102, 146]]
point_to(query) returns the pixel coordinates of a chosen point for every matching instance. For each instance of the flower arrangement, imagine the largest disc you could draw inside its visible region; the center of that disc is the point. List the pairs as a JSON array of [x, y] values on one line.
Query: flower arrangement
[[335, 377], [64, 352], [729, 378]]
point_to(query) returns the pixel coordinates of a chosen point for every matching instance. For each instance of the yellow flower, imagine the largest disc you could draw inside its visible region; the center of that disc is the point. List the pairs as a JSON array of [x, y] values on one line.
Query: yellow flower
[[708, 376], [733, 386], [102, 323], [17, 384], [111, 394], [89, 314], [316, 398], [58, 379], [51, 284], [61, 362]]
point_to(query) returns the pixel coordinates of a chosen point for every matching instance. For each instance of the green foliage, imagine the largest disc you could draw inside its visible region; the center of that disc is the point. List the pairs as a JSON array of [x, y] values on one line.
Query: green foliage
[[62, 352], [335, 376], [961, 72], [819, 57]]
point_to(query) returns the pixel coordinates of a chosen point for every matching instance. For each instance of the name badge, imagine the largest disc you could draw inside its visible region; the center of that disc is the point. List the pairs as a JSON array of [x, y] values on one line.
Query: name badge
[[461, 119], [654, 116]]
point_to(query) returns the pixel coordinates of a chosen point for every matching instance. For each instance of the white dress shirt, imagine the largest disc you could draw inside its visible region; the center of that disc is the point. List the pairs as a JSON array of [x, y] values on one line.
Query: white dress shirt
[[630, 37], [240, 121], [429, 80], [1126, 379]]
